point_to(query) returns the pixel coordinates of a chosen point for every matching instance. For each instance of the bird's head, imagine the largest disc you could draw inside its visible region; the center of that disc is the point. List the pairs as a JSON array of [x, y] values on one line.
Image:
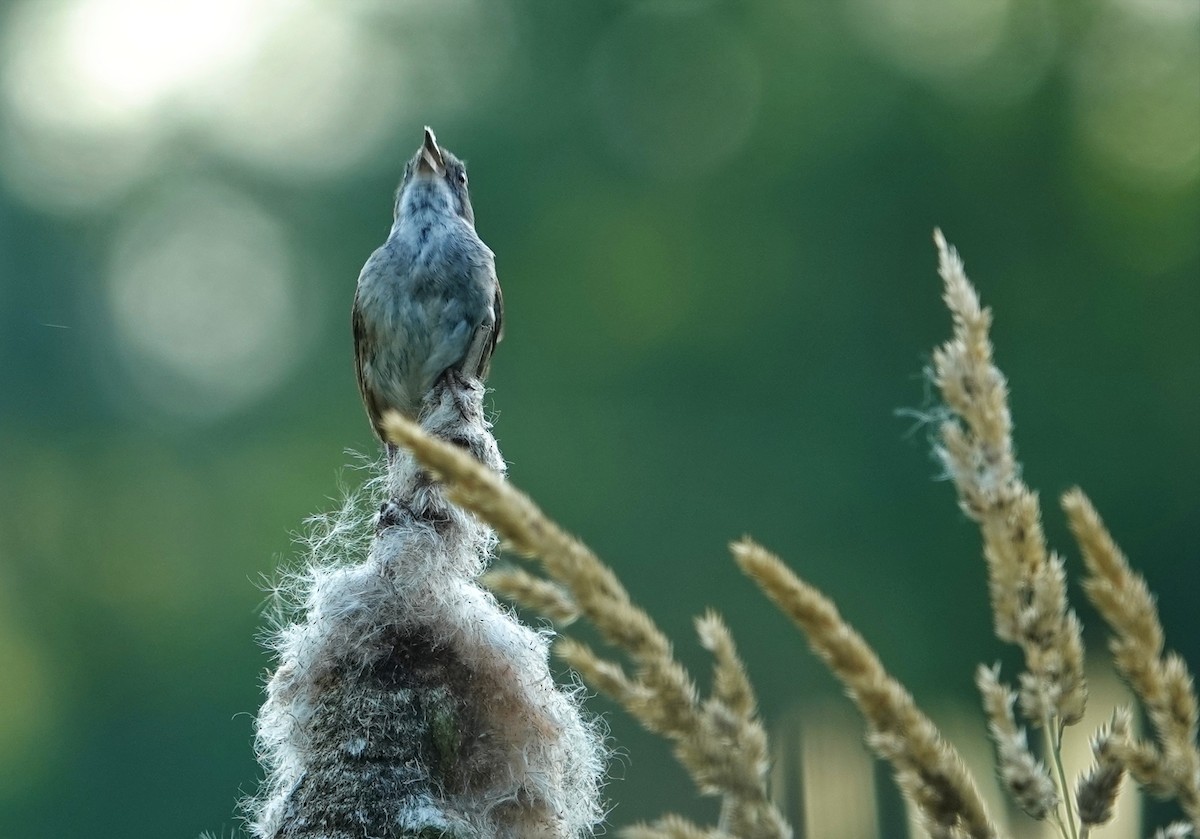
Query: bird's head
[[435, 179]]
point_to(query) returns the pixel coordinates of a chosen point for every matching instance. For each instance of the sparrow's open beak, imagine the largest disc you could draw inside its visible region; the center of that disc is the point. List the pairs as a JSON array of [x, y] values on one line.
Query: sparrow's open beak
[[431, 160]]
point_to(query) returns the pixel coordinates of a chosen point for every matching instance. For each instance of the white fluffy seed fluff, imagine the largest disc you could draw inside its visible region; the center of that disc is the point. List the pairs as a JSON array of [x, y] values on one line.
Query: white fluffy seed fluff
[[407, 702]]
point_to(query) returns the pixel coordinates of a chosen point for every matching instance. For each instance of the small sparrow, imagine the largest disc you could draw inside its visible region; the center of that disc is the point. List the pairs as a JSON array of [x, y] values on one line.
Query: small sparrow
[[428, 302]]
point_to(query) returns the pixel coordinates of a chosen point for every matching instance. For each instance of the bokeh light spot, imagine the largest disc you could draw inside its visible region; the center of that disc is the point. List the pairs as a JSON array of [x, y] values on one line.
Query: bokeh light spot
[[74, 171], [319, 96], [1137, 95], [978, 51], [933, 37], [202, 300], [676, 95], [95, 94], [102, 64], [128, 54], [84, 85]]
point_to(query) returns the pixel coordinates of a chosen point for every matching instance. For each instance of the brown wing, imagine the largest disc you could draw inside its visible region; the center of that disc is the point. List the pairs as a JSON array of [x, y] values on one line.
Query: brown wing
[[485, 362], [370, 400]]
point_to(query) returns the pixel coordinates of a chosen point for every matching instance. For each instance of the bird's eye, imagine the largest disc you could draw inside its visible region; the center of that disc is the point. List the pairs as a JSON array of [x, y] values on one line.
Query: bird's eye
[[462, 177]]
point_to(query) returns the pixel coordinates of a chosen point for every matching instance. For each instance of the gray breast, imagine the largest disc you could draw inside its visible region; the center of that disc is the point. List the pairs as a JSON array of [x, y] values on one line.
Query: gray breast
[[424, 296]]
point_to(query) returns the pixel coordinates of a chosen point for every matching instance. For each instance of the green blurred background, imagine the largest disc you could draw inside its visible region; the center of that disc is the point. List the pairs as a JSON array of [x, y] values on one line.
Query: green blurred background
[[712, 222]]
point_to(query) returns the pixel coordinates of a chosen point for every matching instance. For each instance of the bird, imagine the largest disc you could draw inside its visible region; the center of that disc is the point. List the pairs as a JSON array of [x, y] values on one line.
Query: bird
[[427, 303]]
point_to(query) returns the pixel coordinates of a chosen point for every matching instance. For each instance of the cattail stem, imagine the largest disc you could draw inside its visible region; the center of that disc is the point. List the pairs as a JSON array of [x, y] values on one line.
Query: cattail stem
[[407, 702]]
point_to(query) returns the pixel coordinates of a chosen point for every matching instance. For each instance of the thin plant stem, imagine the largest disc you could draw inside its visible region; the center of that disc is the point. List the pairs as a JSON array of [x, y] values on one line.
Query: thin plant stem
[[1055, 742]]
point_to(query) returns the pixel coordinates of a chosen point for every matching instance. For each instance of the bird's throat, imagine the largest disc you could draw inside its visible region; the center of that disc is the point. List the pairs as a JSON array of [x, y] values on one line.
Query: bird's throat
[[425, 200]]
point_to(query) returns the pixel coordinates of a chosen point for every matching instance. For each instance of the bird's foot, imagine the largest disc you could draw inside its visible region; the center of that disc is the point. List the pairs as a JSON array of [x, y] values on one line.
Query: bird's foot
[[462, 392]]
